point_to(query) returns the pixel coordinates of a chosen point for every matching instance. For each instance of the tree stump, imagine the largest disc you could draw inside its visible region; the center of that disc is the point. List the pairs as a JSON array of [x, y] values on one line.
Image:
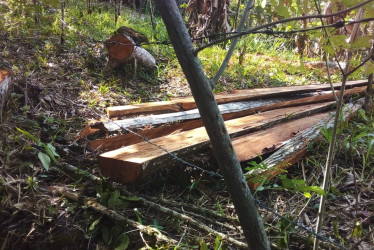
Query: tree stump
[[124, 47], [4, 87]]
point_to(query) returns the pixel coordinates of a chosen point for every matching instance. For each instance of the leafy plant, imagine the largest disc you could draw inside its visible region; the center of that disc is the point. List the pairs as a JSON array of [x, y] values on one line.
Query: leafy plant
[[46, 151]]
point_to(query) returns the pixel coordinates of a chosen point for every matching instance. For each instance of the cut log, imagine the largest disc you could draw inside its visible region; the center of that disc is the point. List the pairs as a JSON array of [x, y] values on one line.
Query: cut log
[[131, 163], [5, 80], [296, 148], [187, 103], [229, 111], [123, 47]]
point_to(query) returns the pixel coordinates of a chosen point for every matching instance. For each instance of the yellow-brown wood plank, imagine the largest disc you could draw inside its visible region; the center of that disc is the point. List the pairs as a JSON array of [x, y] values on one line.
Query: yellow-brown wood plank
[[187, 103], [250, 146], [296, 148], [130, 163]]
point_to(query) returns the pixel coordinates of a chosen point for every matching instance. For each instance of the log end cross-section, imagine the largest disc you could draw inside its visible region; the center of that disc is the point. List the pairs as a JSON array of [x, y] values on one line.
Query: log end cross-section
[[4, 87]]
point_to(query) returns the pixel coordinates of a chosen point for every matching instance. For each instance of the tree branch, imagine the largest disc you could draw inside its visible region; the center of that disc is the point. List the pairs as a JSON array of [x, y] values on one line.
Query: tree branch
[[232, 45], [265, 26]]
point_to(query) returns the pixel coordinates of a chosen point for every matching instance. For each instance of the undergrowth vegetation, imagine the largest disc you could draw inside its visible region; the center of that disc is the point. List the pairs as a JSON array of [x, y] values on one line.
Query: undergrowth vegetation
[[58, 87]]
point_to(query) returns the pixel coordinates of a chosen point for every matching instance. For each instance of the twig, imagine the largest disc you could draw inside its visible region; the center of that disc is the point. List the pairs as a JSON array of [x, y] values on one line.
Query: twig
[[194, 208], [167, 210]]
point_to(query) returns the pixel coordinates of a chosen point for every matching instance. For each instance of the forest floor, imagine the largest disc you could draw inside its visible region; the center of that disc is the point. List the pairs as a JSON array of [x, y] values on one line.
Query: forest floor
[[57, 89]]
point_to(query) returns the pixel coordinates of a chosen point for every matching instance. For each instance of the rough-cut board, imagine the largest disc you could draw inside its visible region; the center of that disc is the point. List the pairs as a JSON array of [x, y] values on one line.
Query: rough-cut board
[[134, 162], [228, 110], [187, 103], [4, 86], [115, 142], [266, 141], [296, 148]]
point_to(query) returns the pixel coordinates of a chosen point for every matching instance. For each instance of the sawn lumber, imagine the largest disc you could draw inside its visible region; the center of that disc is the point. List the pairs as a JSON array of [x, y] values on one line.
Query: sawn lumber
[[296, 148], [118, 141], [131, 163], [187, 103], [266, 141]]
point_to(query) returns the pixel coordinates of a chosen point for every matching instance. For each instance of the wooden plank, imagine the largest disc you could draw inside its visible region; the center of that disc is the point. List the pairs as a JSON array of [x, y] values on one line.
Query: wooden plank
[[296, 148], [134, 162], [115, 142], [187, 103], [269, 140]]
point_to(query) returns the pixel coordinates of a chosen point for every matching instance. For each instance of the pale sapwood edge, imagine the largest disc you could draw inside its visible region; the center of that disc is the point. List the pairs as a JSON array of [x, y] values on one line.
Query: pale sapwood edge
[[197, 50]]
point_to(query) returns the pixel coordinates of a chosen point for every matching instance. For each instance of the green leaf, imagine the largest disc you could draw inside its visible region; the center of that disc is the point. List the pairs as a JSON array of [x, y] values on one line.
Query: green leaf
[[203, 245], [283, 11], [46, 161], [369, 68], [218, 243], [93, 225], [329, 49], [53, 149], [49, 152], [362, 42], [124, 242], [339, 41], [106, 235], [307, 195], [28, 135]]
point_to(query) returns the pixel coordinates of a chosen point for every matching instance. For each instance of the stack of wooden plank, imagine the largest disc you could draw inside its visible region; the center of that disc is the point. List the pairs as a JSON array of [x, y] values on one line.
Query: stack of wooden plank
[[148, 136]]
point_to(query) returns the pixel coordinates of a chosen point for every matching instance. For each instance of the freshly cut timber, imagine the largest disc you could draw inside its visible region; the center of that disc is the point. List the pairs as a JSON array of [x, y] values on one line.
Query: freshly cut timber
[[296, 148], [266, 141], [131, 163], [4, 87], [114, 142], [187, 103], [228, 110], [124, 47]]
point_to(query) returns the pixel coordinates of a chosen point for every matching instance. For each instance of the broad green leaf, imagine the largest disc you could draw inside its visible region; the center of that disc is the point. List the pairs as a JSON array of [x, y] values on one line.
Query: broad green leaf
[[53, 149], [93, 225], [329, 49], [369, 68], [124, 241], [218, 243], [339, 40], [44, 158], [283, 11], [362, 42], [28, 135]]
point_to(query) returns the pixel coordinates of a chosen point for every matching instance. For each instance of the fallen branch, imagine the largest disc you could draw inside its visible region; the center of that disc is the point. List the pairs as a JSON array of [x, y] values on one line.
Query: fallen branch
[[146, 202], [92, 203]]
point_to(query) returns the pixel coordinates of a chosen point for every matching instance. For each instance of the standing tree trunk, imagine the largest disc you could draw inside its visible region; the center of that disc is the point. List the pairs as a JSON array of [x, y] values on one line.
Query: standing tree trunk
[[222, 148]]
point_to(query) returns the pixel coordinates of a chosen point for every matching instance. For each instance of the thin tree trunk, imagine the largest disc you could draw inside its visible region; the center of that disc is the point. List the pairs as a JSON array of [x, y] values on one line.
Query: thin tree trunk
[[223, 150]]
